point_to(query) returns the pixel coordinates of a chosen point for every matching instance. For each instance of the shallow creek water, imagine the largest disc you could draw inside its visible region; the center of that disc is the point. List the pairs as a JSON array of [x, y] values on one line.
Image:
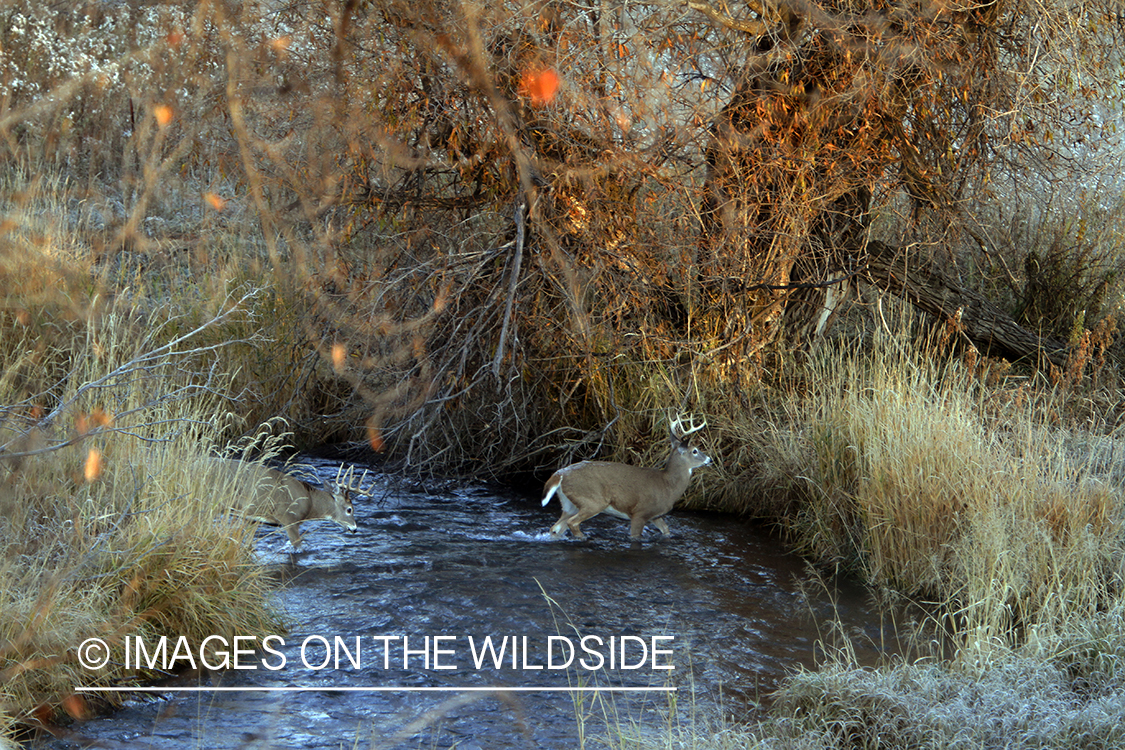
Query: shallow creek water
[[474, 562]]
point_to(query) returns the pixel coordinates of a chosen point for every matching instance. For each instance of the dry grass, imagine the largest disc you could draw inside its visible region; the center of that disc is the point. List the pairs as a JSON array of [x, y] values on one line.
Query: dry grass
[[1016, 701], [1054, 693], [926, 479], [979, 496], [107, 525], [991, 499]]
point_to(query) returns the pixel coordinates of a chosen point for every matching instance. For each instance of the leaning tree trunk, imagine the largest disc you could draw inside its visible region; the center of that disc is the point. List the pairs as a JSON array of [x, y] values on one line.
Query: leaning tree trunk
[[914, 278]]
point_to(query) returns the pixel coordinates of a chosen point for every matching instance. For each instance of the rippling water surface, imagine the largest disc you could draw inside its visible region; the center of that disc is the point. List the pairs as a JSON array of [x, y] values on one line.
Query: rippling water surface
[[473, 562]]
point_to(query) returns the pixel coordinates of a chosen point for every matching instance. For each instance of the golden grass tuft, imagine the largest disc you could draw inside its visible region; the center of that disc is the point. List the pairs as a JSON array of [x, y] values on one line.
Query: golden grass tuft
[[914, 472], [108, 524], [146, 548]]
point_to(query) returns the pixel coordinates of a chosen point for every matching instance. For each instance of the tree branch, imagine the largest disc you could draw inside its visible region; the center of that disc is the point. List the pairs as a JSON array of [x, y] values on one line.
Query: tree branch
[[756, 28], [145, 362]]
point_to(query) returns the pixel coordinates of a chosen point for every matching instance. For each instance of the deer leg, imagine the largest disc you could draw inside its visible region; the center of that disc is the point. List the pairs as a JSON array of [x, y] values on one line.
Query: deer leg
[[662, 525], [568, 511], [582, 515], [559, 529], [294, 532], [577, 531]]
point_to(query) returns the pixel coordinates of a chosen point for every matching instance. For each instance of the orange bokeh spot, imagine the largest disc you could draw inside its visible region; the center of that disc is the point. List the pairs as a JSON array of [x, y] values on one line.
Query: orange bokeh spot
[[93, 468], [375, 438], [163, 114], [339, 357], [75, 705], [540, 85], [86, 423]]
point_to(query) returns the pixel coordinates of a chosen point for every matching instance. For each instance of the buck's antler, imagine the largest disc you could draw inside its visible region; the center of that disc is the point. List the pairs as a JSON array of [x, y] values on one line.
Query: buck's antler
[[345, 479], [678, 423]]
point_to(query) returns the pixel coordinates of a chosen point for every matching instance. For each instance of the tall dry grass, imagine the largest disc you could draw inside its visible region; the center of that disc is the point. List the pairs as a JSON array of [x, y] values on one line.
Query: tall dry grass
[[108, 525], [914, 471]]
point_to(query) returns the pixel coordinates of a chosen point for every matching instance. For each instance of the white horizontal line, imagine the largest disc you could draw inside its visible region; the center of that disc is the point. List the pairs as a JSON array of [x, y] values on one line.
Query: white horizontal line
[[375, 689]]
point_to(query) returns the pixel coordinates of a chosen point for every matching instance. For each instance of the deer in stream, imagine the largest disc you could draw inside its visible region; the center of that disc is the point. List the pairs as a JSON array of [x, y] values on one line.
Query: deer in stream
[[636, 494], [276, 498]]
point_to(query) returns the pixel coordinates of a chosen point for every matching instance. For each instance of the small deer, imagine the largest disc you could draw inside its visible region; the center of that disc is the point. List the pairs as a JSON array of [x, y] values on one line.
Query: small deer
[[276, 498], [636, 494]]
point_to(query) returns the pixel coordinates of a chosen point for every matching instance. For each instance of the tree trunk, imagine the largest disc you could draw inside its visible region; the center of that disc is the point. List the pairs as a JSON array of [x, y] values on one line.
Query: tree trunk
[[991, 330]]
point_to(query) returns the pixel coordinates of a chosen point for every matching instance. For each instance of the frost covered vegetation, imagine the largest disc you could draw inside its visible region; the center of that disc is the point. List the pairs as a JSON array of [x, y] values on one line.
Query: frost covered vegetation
[[489, 238]]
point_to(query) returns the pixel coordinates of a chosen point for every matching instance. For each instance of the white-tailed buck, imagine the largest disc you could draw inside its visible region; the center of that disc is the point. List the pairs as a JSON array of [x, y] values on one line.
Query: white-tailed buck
[[276, 498], [639, 495]]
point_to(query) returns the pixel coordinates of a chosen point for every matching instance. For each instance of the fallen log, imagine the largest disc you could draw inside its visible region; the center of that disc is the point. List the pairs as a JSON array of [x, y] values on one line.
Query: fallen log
[[916, 279]]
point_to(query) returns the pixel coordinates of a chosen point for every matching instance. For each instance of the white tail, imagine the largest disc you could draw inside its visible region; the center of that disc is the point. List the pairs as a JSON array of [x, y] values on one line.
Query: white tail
[[276, 498], [639, 495]]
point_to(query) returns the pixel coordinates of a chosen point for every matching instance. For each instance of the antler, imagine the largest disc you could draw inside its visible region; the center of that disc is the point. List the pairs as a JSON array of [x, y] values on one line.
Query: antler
[[345, 479], [678, 423]]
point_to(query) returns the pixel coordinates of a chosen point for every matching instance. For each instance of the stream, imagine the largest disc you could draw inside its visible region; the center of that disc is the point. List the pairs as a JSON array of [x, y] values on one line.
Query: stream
[[405, 632]]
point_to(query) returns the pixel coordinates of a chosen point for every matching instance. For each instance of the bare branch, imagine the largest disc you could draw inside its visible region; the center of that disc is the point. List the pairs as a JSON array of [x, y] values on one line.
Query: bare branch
[[756, 28], [146, 363]]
